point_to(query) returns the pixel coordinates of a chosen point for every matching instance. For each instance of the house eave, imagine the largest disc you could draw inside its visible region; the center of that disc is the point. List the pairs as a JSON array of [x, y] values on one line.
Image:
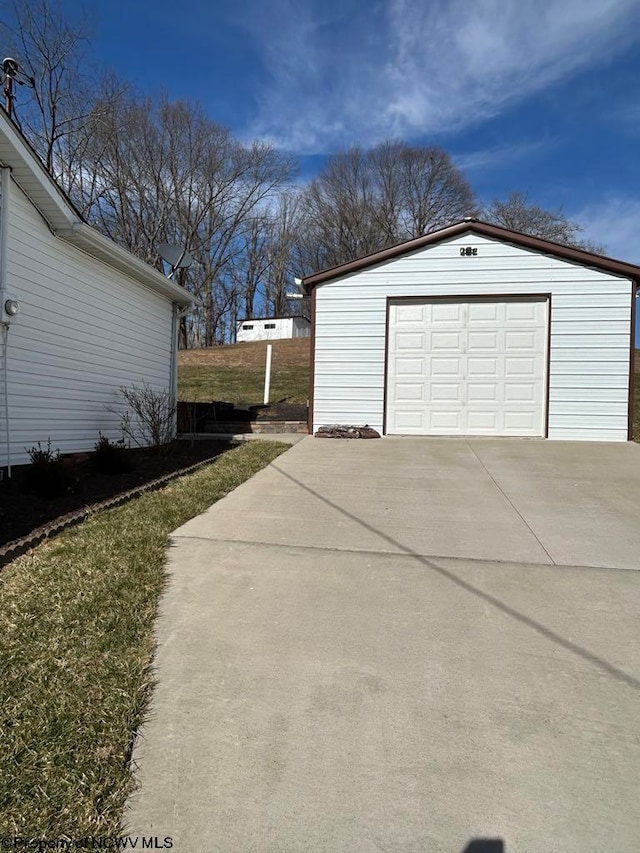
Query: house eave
[[66, 223], [86, 238]]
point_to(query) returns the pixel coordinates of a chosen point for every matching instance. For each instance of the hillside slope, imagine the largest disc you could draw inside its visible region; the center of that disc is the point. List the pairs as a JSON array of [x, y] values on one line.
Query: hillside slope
[[235, 373]]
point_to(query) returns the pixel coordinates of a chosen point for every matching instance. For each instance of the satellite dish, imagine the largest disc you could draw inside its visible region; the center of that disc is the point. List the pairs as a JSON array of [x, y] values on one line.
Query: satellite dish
[[10, 66], [177, 257]]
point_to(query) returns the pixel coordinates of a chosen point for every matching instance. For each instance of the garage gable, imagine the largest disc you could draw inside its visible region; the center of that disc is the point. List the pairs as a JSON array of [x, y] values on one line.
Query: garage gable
[[475, 228]]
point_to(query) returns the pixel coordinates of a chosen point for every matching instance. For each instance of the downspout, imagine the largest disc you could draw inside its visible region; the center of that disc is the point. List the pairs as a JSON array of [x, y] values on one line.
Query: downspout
[[176, 315], [5, 182]]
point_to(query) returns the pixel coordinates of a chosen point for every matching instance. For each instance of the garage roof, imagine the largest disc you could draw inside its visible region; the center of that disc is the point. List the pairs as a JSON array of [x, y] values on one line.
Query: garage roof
[[475, 226]]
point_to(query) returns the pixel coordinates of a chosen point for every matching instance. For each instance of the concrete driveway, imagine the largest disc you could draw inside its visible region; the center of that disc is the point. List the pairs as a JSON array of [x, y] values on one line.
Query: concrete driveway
[[403, 645]]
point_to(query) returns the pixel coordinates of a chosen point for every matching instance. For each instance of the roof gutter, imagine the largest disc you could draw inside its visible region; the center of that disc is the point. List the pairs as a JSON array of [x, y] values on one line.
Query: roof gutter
[[86, 238]]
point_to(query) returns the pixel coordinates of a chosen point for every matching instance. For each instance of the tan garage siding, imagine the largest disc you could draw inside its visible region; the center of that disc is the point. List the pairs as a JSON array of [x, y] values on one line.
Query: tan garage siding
[[589, 333]]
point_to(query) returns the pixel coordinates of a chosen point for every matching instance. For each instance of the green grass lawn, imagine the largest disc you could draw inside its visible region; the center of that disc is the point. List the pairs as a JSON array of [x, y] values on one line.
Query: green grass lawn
[[76, 641], [203, 383]]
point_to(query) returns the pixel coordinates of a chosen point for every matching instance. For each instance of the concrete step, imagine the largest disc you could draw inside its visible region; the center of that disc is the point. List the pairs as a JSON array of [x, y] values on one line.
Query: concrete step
[[285, 437], [259, 427]]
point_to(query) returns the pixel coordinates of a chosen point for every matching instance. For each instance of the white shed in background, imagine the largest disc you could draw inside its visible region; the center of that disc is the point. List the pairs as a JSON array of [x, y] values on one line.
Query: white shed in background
[[92, 317], [475, 330], [272, 329]]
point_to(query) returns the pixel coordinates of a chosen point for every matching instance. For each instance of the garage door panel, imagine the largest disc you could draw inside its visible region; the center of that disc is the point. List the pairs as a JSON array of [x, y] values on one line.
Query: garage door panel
[[441, 392], [482, 421], [520, 367], [483, 342], [407, 392], [448, 421], [517, 312], [522, 340], [482, 313], [446, 366], [482, 366], [478, 367], [446, 341], [521, 392], [446, 313], [519, 422], [410, 341], [410, 367], [411, 313], [480, 391], [410, 423]]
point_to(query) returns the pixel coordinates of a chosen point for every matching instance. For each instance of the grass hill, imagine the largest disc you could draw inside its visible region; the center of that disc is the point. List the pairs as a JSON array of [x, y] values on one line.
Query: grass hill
[[235, 373]]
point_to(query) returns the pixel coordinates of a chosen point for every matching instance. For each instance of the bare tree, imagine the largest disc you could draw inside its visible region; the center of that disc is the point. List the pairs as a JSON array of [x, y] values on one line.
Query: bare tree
[[518, 214], [339, 210], [363, 201], [49, 48], [239, 188], [263, 272], [165, 172], [284, 230], [250, 266]]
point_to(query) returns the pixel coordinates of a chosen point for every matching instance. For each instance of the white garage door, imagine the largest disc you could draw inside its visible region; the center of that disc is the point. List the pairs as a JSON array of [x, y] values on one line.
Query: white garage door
[[467, 367]]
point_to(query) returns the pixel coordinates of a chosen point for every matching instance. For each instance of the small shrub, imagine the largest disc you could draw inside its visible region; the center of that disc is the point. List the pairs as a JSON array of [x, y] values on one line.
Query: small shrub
[[150, 419], [111, 457], [50, 475]]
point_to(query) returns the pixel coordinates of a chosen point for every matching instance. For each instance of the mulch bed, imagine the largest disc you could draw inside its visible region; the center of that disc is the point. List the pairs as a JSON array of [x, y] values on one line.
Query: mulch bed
[[22, 511], [196, 417], [283, 412]]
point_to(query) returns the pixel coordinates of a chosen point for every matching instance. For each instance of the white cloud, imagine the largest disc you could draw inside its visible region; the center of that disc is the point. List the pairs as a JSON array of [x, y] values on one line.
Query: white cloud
[[613, 222], [499, 155], [341, 71]]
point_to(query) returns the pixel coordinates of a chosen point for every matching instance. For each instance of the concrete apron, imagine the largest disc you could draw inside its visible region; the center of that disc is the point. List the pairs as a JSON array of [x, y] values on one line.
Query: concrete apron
[[326, 684]]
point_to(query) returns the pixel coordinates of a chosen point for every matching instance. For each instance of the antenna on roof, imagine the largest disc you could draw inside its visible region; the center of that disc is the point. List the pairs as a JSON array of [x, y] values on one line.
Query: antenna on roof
[[299, 294], [11, 74], [177, 257]]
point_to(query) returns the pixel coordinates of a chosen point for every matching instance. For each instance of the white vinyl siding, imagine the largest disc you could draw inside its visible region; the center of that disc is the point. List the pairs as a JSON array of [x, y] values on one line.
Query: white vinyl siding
[[83, 331], [589, 344]]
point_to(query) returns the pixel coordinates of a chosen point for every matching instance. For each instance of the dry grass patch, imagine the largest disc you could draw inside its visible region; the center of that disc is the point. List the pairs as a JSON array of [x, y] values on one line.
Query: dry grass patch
[[287, 353], [76, 641], [235, 373]]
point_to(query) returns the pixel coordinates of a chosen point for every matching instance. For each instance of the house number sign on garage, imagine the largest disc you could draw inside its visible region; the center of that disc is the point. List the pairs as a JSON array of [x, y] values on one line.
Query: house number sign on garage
[[468, 251]]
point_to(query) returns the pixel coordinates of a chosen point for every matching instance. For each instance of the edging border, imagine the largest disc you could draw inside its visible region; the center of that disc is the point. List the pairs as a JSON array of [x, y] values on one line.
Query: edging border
[[18, 547]]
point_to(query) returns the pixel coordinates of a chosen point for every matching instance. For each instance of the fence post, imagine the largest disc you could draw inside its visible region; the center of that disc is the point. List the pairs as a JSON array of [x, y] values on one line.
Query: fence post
[[267, 375]]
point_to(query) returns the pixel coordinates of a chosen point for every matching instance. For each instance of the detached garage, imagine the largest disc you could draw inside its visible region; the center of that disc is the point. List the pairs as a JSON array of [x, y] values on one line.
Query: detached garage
[[475, 330]]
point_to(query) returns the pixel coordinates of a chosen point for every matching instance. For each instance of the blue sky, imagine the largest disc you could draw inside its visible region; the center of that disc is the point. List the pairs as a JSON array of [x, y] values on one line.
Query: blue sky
[[534, 95]]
